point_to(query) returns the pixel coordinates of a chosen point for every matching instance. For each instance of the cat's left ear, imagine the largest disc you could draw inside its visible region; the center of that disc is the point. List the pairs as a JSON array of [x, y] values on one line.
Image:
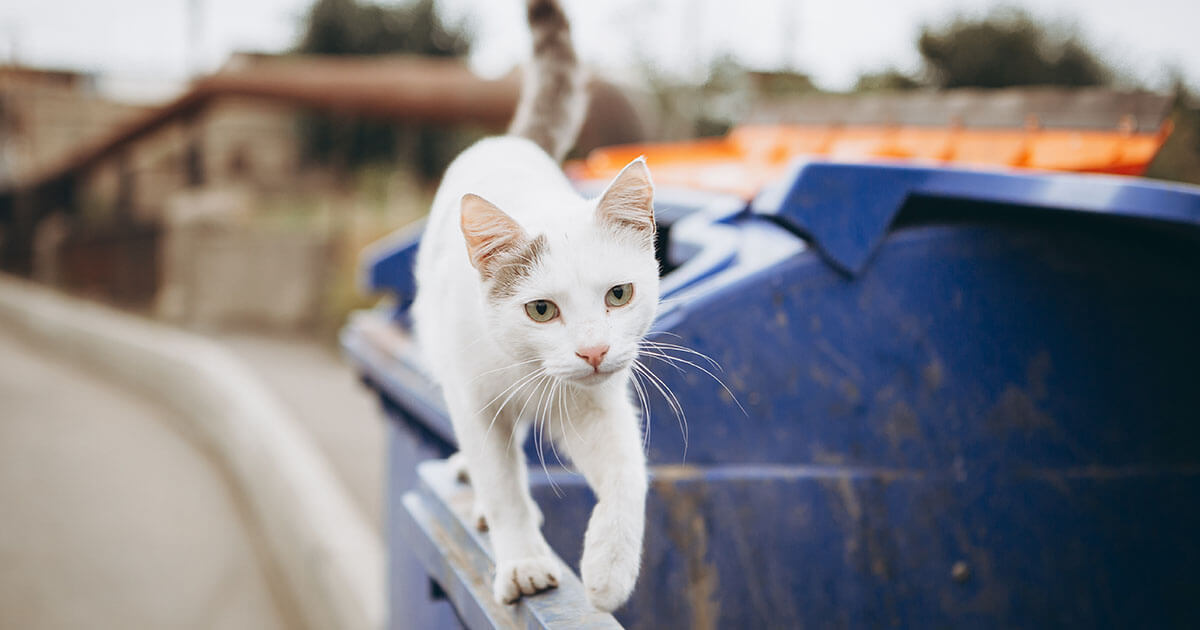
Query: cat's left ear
[[629, 200], [488, 232]]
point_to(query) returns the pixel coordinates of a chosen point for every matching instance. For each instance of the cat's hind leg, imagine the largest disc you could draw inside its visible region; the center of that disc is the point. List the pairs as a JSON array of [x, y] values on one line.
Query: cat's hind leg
[[458, 464]]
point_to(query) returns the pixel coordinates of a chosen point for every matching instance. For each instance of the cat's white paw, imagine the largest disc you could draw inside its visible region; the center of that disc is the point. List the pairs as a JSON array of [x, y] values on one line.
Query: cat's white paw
[[525, 576], [609, 570]]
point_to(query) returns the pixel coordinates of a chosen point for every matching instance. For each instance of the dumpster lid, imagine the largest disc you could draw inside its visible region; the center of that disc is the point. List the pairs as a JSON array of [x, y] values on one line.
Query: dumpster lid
[[846, 210]]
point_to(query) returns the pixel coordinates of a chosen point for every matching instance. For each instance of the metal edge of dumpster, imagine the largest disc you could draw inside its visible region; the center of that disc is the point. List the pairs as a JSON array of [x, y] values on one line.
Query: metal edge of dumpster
[[435, 521], [816, 197]]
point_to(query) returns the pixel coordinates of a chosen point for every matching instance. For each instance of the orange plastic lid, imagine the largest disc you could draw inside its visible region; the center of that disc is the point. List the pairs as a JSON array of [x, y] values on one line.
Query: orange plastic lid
[[750, 156]]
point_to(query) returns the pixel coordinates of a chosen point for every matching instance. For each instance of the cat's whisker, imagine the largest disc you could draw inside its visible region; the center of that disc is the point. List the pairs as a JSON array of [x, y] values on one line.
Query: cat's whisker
[[501, 369], [574, 400], [513, 429], [641, 393], [557, 391], [526, 381], [521, 413], [669, 395], [539, 426], [506, 390], [645, 352], [674, 346], [669, 302], [671, 399], [669, 359], [564, 421]]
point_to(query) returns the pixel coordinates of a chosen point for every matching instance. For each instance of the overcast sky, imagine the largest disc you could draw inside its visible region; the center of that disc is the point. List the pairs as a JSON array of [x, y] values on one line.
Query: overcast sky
[[141, 49]]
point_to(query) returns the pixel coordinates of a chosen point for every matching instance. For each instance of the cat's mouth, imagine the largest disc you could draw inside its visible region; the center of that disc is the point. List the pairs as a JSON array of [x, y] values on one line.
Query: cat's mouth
[[596, 376]]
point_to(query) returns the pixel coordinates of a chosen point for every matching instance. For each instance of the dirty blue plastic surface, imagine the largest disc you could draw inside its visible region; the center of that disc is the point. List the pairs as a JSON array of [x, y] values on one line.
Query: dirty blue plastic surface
[[971, 400]]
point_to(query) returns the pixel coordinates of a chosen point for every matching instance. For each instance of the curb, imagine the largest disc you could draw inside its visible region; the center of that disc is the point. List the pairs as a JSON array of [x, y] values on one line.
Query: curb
[[330, 559]]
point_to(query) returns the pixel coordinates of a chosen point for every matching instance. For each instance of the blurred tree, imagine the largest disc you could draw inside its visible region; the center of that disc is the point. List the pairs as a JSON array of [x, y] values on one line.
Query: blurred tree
[[1008, 48], [351, 27], [1179, 158], [1005, 48], [890, 79]]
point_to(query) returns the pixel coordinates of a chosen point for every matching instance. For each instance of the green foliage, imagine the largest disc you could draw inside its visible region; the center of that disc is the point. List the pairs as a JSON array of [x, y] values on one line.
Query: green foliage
[[890, 79], [782, 83], [351, 27], [1004, 49], [1008, 48]]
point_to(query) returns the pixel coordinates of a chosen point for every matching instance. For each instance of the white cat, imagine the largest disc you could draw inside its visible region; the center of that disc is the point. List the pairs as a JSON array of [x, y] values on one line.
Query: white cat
[[530, 306]]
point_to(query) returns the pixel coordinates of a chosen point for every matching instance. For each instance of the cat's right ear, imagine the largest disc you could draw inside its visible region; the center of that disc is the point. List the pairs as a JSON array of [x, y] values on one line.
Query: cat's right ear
[[488, 232]]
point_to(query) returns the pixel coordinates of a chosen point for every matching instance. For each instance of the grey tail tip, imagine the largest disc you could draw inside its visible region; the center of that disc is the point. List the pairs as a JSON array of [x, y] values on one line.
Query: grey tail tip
[[553, 99], [543, 12]]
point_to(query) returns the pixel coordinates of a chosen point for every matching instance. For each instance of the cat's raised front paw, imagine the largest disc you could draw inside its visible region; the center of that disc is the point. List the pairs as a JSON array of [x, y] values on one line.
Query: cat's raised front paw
[[524, 577], [609, 573]]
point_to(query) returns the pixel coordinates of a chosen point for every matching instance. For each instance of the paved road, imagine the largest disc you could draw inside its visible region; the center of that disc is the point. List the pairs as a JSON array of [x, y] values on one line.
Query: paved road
[[110, 518], [324, 396]]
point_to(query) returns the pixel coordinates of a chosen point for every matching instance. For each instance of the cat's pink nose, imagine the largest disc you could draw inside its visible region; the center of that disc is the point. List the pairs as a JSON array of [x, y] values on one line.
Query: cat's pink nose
[[593, 355]]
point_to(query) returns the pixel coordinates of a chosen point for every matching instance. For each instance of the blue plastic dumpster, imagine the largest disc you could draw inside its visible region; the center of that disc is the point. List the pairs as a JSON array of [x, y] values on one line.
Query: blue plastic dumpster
[[971, 399]]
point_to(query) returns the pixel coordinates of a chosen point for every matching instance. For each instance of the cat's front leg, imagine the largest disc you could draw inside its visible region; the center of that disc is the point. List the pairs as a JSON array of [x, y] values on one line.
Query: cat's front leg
[[607, 448], [496, 466], [458, 463]]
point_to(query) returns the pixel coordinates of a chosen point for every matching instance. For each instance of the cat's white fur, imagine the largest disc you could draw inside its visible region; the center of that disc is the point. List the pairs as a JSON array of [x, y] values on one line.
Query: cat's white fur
[[485, 350]]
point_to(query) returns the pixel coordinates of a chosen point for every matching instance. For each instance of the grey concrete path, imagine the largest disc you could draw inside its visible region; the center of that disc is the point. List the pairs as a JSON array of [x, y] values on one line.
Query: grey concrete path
[[110, 518], [325, 396]]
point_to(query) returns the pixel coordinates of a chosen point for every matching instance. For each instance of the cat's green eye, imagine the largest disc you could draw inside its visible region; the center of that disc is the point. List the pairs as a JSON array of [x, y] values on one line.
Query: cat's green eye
[[541, 311], [619, 295]]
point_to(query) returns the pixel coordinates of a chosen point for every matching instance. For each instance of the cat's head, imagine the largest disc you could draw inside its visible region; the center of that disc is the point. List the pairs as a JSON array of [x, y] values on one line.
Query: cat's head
[[574, 300]]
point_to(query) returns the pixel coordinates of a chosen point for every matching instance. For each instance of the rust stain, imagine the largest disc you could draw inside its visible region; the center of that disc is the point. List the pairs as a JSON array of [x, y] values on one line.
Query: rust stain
[[850, 391], [885, 393], [900, 424], [840, 360], [827, 458], [933, 374], [1015, 409], [689, 532], [666, 474], [854, 509], [989, 594], [819, 375]]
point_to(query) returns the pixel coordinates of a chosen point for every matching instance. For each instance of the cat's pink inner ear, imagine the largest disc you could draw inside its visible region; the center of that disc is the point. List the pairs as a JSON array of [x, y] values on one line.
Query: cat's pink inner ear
[[488, 232], [629, 200]]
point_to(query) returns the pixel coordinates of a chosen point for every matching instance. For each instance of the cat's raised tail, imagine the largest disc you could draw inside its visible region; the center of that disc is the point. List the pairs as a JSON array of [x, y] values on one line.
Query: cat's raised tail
[[553, 100]]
